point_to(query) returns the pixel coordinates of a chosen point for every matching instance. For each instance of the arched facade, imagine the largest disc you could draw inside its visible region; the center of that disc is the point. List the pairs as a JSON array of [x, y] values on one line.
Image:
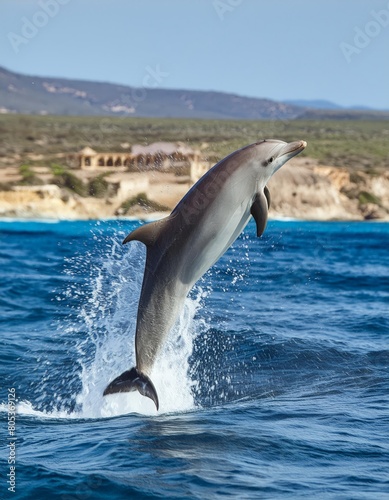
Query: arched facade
[[165, 157]]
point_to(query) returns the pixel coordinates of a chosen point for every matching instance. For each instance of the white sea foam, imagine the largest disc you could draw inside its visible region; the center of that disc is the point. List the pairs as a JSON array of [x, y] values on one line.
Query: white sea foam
[[170, 375], [21, 219]]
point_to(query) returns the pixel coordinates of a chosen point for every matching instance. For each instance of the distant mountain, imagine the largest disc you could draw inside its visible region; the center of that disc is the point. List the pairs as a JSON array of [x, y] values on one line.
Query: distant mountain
[[60, 96], [326, 105], [343, 114], [315, 104], [37, 95], [363, 108]]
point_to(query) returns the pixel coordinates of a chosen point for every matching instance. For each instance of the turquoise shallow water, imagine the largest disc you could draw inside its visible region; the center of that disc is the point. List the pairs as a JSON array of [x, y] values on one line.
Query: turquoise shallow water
[[274, 382]]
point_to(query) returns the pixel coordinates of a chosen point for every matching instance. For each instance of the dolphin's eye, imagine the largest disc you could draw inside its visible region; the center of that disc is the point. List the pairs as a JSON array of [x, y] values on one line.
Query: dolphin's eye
[[267, 162]]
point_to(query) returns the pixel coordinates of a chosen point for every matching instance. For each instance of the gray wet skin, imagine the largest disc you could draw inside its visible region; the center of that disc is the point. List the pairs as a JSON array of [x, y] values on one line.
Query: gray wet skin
[[184, 245]]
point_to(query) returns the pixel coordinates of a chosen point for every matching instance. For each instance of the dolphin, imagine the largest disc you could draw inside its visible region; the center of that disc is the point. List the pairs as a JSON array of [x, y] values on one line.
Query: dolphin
[[184, 245]]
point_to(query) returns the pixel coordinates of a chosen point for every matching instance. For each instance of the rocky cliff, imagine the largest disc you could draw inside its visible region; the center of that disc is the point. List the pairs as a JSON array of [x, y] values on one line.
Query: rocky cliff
[[303, 189]]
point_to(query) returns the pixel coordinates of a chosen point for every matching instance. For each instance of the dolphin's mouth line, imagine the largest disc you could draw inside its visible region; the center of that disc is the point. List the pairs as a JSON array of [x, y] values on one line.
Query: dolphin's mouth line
[[297, 149]]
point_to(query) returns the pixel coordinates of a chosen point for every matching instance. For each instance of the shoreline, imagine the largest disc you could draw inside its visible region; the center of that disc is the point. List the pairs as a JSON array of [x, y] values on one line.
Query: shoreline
[[152, 218]]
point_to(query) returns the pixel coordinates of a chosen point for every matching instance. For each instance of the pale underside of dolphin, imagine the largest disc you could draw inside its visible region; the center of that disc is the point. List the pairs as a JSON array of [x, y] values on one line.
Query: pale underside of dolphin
[[184, 245]]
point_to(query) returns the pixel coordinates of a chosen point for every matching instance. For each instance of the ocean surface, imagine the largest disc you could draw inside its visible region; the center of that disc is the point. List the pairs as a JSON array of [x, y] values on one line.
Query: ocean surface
[[274, 382]]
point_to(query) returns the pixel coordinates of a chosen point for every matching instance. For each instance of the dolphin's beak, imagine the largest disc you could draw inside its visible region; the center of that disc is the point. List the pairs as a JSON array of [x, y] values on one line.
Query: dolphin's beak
[[292, 149]]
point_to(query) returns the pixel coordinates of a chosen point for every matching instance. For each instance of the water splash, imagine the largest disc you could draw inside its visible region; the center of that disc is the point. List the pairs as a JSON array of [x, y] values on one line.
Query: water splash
[[105, 318], [95, 341], [114, 306]]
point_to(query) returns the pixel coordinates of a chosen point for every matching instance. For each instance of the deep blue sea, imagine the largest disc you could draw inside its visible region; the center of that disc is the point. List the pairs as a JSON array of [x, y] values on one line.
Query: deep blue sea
[[274, 382]]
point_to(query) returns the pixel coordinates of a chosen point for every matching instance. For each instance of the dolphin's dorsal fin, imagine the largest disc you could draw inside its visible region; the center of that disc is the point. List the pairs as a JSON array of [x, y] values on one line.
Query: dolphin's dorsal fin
[[148, 233], [259, 210]]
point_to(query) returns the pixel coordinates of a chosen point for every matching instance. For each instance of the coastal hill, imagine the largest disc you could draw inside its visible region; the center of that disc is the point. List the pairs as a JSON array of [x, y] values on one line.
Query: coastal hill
[[59, 96]]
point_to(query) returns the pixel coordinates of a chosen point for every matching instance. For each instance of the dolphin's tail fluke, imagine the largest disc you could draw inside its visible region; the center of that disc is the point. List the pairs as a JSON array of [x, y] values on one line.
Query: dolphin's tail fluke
[[133, 380]]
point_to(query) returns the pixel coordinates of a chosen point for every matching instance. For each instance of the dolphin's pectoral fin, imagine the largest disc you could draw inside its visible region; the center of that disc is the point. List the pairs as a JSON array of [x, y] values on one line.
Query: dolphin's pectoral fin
[[267, 194], [133, 380], [148, 233], [259, 210]]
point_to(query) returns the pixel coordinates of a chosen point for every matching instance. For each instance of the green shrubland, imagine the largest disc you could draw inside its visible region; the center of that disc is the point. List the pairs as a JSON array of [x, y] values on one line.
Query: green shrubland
[[355, 144]]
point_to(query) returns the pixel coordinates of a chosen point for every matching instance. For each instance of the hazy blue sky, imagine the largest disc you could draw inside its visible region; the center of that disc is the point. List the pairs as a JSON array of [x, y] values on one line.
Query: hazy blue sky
[[281, 49]]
